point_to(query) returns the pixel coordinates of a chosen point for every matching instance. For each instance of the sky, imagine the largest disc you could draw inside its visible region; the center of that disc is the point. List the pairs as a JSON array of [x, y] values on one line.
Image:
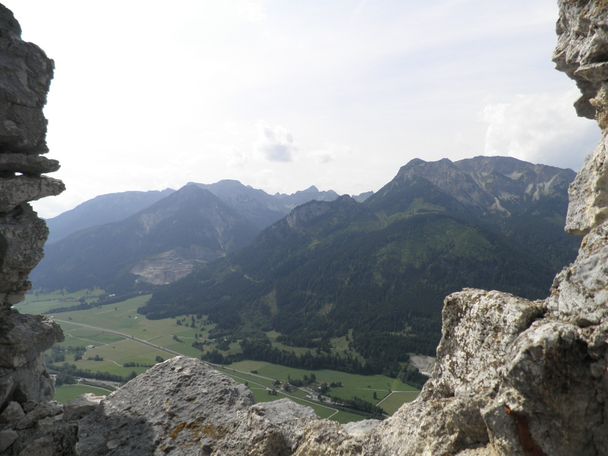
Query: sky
[[284, 94]]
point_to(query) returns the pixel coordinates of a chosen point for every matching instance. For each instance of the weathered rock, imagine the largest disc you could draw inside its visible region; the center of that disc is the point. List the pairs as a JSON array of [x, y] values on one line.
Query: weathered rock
[[269, 429], [40, 412], [478, 327], [22, 236], [178, 407], [81, 407], [26, 73], [589, 193], [34, 165], [31, 424], [12, 413], [326, 438], [360, 428], [24, 337], [17, 190], [550, 398], [580, 291], [582, 49], [7, 438]]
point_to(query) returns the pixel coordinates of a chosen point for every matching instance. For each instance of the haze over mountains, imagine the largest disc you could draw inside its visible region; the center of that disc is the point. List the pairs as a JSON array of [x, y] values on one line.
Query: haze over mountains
[[118, 240], [101, 210]]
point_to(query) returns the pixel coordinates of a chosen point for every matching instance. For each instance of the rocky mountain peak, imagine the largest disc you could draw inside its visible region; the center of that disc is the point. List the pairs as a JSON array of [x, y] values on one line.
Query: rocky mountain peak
[[485, 184]]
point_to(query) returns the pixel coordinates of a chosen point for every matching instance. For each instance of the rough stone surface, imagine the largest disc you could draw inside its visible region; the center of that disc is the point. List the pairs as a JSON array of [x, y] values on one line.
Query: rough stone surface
[[580, 292], [589, 193], [32, 165], [79, 408], [184, 407], [26, 74], [29, 424], [7, 438], [17, 190], [12, 413]]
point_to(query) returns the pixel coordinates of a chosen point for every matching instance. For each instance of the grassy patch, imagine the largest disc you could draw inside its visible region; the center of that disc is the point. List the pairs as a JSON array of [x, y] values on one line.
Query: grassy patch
[[89, 328], [372, 388], [68, 393]]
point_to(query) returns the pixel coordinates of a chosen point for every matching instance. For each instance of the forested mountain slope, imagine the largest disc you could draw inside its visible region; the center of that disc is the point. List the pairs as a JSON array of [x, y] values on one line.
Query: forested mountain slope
[[383, 267], [155, 246]]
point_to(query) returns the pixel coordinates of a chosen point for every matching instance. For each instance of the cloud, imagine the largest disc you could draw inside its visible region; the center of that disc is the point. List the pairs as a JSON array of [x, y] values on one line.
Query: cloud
[[540, 128], [275, 143]]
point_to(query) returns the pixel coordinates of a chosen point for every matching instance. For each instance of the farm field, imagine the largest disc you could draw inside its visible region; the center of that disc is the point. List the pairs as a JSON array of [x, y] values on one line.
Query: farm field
[[67, 393], [116, 340], [353, 385]]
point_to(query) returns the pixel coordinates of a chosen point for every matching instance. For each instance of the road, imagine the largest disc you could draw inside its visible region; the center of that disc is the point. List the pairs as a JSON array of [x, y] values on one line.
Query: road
[[173, 352], [220, 367], [118, 333]]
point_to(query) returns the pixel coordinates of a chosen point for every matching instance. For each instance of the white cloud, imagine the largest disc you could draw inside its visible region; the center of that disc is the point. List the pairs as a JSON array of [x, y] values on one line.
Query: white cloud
[[275, 143], [540, 128]]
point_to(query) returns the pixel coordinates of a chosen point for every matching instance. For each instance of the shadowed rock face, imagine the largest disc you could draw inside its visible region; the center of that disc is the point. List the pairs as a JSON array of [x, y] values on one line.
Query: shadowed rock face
[[25, 75]]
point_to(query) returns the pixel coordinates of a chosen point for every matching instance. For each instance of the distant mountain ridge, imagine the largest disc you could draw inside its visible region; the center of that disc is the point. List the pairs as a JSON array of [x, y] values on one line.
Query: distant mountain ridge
[[155, 246], [261, 208], [382, 267], [100, 210], [120, 245]]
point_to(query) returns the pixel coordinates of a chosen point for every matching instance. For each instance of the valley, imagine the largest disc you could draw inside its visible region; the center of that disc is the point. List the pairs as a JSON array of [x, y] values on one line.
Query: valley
[[107, 345], [273, 288]]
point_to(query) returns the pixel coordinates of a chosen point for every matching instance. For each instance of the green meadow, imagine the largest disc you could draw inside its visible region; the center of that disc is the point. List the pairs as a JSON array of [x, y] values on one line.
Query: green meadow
[[119, 341], [67, 393]]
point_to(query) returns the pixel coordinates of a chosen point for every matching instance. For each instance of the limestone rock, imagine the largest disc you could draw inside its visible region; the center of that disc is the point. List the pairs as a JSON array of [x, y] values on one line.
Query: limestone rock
[[22, 236], [268, 429], [581, 51], [360, 428], [17, 190], [26, 73], [33, 165], [7, 438], [79, 408], [326, 438], [24, 337], [589, 193], [178, 407], [29, 422], [478, 327], [12, 413], [580, 291]]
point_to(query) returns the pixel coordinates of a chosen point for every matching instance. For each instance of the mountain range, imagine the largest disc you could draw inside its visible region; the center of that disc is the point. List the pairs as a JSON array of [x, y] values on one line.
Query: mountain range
[[124, 240], [313, 265], [379, 270], [100, 210]]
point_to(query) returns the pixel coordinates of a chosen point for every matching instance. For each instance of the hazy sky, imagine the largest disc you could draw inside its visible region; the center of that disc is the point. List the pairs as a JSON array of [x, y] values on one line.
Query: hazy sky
[[283, 94]]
